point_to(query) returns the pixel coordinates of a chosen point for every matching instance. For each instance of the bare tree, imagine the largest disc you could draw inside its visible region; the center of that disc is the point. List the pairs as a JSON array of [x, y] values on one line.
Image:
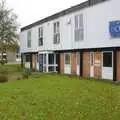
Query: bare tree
[[8, 29]]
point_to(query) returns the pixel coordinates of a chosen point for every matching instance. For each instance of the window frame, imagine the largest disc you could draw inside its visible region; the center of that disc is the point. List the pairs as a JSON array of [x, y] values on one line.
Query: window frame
[[40, 36], [56, 32], [29, 39], [79, 27]]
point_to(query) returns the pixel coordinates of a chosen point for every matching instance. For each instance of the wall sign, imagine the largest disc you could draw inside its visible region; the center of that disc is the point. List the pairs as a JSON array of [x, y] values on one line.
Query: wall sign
[[114, 28]]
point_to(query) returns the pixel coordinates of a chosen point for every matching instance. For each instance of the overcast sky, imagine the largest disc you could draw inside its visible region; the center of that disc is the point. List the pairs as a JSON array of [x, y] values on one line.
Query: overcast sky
[[29, 11]]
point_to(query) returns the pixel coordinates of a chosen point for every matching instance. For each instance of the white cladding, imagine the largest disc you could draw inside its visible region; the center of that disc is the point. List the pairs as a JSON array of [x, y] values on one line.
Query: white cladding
[[96, 29]]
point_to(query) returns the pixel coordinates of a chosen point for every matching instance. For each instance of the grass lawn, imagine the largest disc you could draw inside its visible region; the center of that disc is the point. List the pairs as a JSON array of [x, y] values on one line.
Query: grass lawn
[[59, 97]]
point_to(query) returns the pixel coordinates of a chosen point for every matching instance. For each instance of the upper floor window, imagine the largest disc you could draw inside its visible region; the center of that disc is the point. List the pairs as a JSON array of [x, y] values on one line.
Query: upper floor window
[[79, 27], [29, 39], [56, 33], [40, 36]]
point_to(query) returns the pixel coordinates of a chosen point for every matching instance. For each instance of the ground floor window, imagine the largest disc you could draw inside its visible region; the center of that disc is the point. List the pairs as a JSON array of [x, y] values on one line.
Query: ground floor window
[[49, 62], [27, 58], [107, 59], [67, 59], [51, 58]]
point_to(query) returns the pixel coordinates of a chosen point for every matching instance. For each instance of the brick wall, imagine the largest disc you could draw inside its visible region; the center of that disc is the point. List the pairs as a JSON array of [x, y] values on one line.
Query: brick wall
[[62, 63], [86, 64], [118, 65], [73, 63]]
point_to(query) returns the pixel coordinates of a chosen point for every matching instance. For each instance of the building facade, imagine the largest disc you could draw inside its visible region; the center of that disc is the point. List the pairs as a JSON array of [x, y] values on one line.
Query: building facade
[[83, 40]]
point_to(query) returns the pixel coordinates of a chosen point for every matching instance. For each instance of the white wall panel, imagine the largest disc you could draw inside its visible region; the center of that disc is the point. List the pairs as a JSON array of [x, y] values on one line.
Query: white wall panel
[[96, 29]]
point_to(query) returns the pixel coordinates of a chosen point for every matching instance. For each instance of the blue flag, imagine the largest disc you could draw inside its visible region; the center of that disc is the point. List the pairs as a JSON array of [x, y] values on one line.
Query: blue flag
[[114, 28]]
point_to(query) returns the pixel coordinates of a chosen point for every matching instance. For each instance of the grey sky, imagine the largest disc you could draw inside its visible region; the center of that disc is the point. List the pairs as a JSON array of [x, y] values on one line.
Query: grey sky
[[29, 11]]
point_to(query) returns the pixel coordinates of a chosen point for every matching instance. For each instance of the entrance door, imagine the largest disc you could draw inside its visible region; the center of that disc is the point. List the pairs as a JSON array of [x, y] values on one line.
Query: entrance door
[[107, 69], [67, 63], [41, 62], [78, 63], [92, 64]]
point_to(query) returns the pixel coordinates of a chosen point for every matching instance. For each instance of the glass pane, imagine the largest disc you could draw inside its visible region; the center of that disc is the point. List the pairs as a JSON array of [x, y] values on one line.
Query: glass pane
[[107, 59], [57, 58], [51, 59], [51, 68], [54, 28], [81, 20], [44, 57], [27, 58], [67, 58], [76, 22], [58, 27]]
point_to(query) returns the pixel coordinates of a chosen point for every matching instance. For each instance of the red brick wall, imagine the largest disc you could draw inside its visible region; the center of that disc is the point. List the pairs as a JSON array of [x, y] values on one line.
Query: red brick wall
[[62, 63], [86, 64], [118, 65], [73, 63]]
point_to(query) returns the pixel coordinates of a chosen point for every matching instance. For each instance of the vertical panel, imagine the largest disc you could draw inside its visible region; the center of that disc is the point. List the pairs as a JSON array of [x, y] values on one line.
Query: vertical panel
[[41, 62], [62, 63], [86, 64], [118, 65], [73, 63], [98, 65]]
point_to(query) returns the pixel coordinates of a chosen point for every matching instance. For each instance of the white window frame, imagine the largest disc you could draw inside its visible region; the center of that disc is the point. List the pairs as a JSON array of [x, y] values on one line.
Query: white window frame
[[56, 32], [40, 36], [79, 27], [29, 36]]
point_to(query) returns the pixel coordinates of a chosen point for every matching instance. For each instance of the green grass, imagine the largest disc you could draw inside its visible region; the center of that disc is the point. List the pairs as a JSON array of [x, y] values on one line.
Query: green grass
[[59, 97]]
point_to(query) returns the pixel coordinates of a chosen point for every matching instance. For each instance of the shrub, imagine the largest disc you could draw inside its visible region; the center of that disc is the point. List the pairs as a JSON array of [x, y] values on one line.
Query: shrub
[[3, 70], [3, 62], [3, 78], [26, 73]]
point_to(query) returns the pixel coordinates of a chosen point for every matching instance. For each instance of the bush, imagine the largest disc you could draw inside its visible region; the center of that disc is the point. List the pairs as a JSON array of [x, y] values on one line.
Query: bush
[[3, 70], [26, 73], [3, 78], [2, 62]]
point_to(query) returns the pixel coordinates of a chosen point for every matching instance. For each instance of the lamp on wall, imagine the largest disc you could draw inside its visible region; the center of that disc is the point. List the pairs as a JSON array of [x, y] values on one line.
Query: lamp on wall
[[68, 21]]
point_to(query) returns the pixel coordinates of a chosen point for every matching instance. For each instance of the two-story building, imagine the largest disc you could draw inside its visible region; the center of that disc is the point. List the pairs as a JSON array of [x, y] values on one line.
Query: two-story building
[[82, 40]]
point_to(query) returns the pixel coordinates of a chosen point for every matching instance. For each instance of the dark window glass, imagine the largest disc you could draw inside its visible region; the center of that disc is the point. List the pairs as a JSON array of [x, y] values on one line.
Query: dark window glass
[[51, 68], [40, 36], [51, 59], [57, 58], [44, 58], [107, 59], [27, 58]]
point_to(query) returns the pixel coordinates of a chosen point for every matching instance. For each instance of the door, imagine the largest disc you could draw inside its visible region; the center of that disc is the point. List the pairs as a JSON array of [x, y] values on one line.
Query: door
[[67, 69], [41, 62], [107, 69], [78, 63], [92, 64]]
